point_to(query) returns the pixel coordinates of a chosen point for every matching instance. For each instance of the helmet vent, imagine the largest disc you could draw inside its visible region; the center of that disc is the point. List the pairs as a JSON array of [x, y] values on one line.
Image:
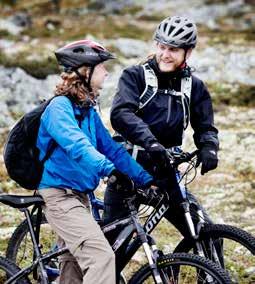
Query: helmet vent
[[165, 26], [170, 30], [188, 35], [179, 31], [78, 50]]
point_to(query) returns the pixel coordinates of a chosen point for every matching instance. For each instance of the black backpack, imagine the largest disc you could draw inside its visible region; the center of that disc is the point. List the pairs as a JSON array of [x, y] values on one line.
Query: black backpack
[[21, 156]]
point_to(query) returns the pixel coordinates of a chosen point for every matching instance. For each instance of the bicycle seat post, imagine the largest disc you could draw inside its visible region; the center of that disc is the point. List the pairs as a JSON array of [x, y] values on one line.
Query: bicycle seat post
[[36, 247]]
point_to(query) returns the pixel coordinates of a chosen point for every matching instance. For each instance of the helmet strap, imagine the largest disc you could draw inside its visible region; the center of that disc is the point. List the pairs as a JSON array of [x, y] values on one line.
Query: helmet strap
[[183, 64], [90, 76]]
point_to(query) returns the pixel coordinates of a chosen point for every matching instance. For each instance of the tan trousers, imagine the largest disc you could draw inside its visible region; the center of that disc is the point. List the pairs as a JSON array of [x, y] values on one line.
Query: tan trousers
[[91, 259]]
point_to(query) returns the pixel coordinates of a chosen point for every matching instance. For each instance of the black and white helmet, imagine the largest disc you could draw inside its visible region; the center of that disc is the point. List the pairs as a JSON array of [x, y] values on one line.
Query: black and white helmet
[[177, 31], [82, 53]]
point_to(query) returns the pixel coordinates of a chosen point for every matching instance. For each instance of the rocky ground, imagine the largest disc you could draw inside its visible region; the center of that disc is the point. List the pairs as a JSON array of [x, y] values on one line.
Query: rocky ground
[[224, 59]]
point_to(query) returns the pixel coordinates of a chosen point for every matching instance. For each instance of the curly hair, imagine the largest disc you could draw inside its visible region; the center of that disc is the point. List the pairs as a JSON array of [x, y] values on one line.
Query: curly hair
[[72, 86]]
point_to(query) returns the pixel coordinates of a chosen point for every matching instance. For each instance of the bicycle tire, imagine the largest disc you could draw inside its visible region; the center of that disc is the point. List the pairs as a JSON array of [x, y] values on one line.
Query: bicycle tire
[[18, 236], [171, 262], [245, 243], [9, 269]]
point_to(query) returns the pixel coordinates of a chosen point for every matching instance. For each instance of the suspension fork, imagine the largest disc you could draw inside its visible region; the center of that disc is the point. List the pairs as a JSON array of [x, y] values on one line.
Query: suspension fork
[[192, 229], [149, 248], [201, 222], [186, 208]]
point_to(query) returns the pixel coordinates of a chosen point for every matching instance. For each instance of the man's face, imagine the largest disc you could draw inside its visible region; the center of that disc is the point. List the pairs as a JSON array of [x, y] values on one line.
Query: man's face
[[169, 57], [98, 77]]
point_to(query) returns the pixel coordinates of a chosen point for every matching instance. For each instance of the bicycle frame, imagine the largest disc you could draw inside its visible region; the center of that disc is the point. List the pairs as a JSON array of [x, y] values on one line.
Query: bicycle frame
[[131, 224], [150, 224]]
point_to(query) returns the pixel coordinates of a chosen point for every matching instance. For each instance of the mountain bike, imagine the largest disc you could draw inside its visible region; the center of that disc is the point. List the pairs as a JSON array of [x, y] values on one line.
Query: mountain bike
[[237, 247], [160, 268]]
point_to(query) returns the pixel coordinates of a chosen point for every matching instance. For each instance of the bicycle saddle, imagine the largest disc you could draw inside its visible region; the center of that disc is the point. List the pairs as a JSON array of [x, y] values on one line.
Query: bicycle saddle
[[21, 201]]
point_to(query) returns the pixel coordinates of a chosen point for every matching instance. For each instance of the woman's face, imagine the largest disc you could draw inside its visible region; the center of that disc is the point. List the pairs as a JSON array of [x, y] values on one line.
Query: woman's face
[[170, 58], [98, 77]]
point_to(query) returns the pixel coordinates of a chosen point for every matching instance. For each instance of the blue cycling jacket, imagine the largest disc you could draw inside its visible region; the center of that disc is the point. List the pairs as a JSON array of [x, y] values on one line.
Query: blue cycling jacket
[[84, 154]]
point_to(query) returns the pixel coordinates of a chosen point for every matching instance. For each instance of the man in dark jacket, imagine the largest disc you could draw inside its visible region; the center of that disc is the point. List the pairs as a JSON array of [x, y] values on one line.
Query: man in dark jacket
[[154, 104]]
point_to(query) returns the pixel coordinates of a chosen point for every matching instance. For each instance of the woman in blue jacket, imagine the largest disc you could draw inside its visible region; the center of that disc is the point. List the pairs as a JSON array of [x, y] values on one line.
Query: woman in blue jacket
[[85, 153]]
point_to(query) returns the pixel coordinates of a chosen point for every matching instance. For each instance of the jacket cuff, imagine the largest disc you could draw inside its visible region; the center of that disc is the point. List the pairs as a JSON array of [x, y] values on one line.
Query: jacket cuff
[[149, 142]]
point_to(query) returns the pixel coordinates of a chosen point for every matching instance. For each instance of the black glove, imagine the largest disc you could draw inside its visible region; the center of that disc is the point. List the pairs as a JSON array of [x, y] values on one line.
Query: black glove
[[120, 182], [160, 157], [208, 157]]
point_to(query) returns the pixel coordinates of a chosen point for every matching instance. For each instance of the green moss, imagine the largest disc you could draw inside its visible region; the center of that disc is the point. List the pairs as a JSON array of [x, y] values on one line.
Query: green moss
[[37, 69], [4, 33], [211, 2], [95, 6], [227, 34], [151, 18], [8, 2], [241, 95], [106, 28], [3, 246], [132, 10]]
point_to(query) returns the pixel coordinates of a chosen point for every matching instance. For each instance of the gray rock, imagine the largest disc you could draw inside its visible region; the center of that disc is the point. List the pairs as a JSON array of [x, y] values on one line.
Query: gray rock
[[233, 64], [9, 26], [132, 47], [113, 6], [6, 44], [22, 19], [250, 270], [19, 92]]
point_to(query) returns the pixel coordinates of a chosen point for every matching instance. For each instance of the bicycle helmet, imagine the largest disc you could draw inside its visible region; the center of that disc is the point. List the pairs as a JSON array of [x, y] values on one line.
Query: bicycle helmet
[[177, 31], [82, 53]]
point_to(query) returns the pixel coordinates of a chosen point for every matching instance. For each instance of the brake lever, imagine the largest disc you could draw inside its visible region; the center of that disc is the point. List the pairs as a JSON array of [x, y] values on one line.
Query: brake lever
[[149, 193]]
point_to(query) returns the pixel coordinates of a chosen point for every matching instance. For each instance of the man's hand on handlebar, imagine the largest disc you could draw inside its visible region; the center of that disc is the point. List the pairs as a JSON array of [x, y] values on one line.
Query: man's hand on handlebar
[[160, 158]]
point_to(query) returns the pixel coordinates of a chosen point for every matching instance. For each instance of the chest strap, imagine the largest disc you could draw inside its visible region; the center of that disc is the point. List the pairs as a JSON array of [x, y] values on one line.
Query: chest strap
[[151, 89]]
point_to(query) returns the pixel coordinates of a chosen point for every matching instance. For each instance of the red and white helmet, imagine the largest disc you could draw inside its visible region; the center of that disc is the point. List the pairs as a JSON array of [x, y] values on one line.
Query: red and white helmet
[[82, 53]]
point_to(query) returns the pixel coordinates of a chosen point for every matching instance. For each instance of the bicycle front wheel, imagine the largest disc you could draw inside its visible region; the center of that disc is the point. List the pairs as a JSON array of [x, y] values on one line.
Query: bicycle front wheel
[[9, 269], [235, 247], [182, 268]]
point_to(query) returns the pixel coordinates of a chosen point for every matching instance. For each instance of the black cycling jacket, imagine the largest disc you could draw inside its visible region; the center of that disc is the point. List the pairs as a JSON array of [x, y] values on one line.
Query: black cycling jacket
[[162, 118]]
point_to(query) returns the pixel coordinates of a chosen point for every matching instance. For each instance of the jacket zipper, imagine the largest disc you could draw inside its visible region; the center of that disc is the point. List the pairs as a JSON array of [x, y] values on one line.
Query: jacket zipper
[[169, 109]]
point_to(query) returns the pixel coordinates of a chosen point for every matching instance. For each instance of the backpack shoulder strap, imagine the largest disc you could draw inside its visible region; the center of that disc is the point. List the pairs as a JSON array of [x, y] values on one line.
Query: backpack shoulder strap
[[151, 86], [186, 84]]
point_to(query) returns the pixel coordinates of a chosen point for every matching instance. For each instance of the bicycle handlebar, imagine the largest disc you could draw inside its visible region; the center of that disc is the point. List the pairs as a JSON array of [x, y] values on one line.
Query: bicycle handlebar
[[177, 158]]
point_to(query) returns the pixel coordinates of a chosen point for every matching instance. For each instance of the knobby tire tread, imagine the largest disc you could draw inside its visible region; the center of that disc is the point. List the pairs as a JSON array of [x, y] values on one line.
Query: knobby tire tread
[[184, 258]]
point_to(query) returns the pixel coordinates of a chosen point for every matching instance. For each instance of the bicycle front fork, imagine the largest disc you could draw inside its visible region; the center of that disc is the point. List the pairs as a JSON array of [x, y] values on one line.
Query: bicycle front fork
[[194, 230]]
